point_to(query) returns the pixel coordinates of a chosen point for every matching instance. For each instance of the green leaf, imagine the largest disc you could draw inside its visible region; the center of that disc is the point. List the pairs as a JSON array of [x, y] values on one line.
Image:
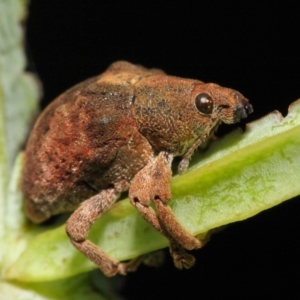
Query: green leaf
[[75, 288], [19, 90], [238, 177], [18, 94]]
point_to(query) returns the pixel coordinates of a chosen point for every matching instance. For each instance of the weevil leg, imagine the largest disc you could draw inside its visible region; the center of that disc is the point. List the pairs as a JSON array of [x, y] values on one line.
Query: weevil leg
[[170, 224], [79, 224], [153, 259], [152, 183], [182, 259]]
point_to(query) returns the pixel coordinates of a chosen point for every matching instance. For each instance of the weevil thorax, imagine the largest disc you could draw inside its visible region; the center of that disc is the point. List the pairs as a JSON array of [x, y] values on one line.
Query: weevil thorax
[[173, 113]]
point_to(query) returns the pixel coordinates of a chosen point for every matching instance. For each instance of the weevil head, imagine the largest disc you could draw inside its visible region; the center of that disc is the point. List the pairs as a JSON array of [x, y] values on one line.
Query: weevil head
[[214, 105], [221, 104]]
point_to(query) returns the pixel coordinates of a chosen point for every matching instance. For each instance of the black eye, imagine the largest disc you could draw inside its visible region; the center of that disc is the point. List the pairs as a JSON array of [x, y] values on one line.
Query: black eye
[[204, 103]]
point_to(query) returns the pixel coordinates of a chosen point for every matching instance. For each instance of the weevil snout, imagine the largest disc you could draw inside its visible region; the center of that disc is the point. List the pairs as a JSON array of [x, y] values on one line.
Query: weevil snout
[[242, 110]]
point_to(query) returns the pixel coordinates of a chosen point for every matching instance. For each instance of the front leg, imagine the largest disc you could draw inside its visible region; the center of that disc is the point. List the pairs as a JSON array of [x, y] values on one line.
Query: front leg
[[152, 183]]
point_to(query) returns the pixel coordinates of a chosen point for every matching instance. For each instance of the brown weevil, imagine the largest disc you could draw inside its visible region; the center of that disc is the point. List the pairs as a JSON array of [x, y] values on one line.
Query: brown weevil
[[119, 132]]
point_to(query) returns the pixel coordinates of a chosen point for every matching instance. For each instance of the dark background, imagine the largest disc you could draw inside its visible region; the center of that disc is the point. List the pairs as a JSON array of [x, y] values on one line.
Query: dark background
[[250, 46]]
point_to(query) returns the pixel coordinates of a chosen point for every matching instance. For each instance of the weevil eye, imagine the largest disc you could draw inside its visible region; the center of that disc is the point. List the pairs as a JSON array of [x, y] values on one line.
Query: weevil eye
[[204, 103]]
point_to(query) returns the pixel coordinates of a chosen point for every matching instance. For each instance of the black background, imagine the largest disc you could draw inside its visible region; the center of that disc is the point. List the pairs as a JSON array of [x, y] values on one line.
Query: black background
[[250, 46]]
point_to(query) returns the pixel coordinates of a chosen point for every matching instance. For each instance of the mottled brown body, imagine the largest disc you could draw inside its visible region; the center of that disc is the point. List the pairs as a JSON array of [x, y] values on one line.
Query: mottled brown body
[[116, 132]]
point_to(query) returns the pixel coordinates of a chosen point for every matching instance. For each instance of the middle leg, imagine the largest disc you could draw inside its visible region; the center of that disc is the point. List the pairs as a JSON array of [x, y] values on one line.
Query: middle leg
[[152, 183]]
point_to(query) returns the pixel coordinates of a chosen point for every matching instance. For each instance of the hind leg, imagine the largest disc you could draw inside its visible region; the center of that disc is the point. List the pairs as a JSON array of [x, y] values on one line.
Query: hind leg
[[79, 224]]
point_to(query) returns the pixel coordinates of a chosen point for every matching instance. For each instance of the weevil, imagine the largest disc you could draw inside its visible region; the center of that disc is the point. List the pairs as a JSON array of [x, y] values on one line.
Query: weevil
[[116, 132]]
